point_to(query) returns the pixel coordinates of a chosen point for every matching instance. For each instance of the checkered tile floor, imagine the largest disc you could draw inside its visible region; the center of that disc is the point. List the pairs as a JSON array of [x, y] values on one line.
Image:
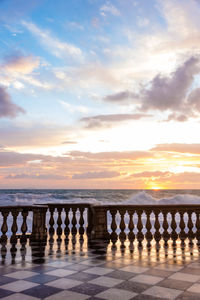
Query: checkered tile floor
[[82, 270]]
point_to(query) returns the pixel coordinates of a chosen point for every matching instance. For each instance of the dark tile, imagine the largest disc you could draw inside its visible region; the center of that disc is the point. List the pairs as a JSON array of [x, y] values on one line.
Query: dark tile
[[175, 284], [5, 293], [5, 280], [42, 278], [88, 289], [121, 275], [193, 271], [6, 270], [188, 296], [82, 276], [157, 272], [41, 291], [146, 297], [42, 269], [135, 287]]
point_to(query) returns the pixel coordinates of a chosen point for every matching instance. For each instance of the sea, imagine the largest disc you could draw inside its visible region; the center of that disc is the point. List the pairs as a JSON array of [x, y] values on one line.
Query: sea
[[111, 196]]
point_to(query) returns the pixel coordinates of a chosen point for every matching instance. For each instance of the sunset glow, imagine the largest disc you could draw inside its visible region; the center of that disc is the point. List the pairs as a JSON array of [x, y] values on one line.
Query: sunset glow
[[100, 94]]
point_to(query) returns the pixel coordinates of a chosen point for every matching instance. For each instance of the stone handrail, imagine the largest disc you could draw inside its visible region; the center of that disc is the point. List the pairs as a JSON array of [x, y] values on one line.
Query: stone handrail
[[107, 222]]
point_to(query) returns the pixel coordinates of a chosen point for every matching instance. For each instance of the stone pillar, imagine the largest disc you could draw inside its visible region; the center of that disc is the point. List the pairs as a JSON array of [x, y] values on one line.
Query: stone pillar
[[100, 230], [39, 231]]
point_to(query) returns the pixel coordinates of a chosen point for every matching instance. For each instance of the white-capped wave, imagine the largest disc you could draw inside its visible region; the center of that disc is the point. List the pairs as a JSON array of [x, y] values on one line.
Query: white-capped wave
[[145, 198], [141, 198]]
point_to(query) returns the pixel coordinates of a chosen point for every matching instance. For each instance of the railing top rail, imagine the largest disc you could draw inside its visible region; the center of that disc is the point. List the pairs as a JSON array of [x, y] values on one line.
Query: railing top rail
[[29, 207], [69, 204], [143, 206]]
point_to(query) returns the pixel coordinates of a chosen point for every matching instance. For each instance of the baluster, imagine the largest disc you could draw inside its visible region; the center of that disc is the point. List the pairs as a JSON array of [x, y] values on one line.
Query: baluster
[[23, 251], [198, 227], [81, 221], [3, 251], [67, 230], [190, 227], [140, 235], [74, 221], [174, 234], [131, 234], [148, 235], [166, 235], [4, 227], [113, 235], [182, 234], [122, 235], [13, 251], [24, 226], [157, 235], [14, 227], [59, 222], [51, 221]]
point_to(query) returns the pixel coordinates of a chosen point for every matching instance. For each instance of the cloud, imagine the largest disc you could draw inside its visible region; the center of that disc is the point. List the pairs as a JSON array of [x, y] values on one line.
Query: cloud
[[107, 120], [108, 8], [7, 107], [69, 142], [167, 93], [120, 96], [16, 159], [181, 148], [113, 155], [33, 135], [20, 64], [149, 174], [95, 175], [53, 44], [194, 99], [170, 92], [36, 176]]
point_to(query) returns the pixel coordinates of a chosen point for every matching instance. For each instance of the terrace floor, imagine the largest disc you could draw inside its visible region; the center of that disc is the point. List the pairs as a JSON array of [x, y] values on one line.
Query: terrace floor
[[79, 270]]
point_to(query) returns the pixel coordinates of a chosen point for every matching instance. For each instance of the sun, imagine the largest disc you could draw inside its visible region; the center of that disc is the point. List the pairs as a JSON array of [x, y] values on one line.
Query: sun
[[155, 188]]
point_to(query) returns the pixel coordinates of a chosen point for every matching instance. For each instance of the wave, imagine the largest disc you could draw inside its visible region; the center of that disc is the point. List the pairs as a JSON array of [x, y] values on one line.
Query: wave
[[145, 198]]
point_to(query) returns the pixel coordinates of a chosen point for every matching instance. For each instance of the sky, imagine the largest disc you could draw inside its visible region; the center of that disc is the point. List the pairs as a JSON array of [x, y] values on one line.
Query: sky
[[100, 94]]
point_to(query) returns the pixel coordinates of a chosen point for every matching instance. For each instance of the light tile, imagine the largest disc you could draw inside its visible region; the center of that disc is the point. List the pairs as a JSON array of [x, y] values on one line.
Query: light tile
[[21, 274], [134, 269], [185, 277], [67, 295], [64, 283], [169, 267], [161, 292], [116, 294], [106, 281], [194, 265], [98, 271], [18, 286], [19, 296], [59, 264], [147, 279], [195, 288], [61, 272]]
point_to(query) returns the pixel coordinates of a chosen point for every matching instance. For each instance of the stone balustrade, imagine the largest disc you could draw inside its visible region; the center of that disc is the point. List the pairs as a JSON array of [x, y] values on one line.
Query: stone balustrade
[[107, 222]]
